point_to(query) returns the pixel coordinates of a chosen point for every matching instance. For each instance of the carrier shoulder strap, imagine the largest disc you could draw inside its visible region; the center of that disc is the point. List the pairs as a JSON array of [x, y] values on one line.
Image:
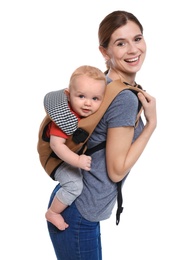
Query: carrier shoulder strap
[[87, 125], [119, 184]]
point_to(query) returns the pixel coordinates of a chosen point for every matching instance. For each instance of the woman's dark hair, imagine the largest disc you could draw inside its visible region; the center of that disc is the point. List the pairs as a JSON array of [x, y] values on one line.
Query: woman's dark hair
[[112, 22]]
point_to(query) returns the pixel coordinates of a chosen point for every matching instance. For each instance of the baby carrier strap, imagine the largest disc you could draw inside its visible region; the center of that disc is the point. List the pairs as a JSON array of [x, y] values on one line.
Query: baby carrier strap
[[119, 184], [56, 106], [112, 90]]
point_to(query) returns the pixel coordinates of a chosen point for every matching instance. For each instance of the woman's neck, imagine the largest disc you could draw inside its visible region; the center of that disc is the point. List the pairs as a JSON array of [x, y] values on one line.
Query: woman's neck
[[115, 75]]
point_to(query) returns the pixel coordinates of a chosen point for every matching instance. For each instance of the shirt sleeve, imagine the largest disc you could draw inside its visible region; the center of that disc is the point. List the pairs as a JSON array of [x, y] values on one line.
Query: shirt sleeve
[[55, 130], [123, 110]]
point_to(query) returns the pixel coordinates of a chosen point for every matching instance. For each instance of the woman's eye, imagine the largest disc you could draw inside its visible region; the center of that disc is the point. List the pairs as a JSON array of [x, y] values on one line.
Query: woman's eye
[[121, 44], [138, 39]]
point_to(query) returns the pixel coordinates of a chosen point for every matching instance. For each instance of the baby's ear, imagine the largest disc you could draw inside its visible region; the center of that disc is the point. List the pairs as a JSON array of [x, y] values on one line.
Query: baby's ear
[[67, 93]]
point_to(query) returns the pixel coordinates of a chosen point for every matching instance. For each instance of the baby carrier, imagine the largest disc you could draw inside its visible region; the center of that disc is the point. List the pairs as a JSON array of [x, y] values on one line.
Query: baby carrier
[[57, 109]]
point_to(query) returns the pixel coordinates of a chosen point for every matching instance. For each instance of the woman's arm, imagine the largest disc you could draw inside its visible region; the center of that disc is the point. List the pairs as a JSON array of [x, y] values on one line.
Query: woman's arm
[[59, 147], [121, 153]]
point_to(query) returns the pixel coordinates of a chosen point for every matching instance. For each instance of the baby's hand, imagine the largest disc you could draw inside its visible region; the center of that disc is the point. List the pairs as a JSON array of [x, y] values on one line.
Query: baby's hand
[[85, 162]]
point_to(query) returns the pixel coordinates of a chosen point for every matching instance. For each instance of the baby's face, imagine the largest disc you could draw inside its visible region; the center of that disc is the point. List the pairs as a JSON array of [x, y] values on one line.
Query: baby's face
[[86, 95]]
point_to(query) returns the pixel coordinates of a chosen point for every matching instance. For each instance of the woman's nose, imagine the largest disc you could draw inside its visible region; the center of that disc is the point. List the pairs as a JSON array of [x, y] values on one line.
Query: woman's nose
[[132, 47]]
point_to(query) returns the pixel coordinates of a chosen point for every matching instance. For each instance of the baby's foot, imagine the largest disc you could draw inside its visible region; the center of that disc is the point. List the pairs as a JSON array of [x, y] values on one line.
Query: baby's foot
[[56, 219]]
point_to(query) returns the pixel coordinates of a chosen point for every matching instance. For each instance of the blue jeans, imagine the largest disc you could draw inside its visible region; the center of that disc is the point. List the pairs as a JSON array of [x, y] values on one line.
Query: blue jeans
[[80, 241]]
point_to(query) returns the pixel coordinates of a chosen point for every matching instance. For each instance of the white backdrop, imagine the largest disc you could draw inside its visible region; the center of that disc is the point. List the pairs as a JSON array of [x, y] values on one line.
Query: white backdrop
[[42, 42]]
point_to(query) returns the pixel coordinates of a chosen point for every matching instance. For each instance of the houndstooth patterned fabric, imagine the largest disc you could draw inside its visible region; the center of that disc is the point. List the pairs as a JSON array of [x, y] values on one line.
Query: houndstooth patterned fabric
[[56, 106]]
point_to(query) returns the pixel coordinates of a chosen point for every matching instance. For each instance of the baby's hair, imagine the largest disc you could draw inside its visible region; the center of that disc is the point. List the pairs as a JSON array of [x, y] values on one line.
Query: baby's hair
[[89, 71]]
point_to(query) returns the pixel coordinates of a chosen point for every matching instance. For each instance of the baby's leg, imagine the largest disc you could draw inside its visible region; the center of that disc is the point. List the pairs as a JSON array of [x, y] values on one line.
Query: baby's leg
[[71, 181], [53, 214]]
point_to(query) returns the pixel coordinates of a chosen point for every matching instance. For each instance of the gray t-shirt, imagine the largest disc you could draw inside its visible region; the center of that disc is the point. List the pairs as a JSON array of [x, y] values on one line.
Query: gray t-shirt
[[99, 194]]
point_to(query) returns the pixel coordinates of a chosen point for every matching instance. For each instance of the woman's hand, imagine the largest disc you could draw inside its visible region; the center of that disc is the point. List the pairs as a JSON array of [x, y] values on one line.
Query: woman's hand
[[149, 105]]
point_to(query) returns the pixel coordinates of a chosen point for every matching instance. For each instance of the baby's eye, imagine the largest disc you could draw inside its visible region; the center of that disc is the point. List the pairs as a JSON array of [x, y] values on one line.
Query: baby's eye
[[81, 96], [95, 98]]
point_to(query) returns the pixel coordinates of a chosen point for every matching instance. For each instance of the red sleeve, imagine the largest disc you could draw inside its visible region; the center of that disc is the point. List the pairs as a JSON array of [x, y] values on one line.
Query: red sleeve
[[55, 130]]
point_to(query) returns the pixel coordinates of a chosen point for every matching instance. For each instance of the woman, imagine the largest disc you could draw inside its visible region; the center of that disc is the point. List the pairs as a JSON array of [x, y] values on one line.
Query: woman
[[123, 47]]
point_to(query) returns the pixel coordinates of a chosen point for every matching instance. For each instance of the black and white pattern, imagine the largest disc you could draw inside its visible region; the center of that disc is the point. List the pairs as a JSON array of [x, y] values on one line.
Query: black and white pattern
[[56, 106]]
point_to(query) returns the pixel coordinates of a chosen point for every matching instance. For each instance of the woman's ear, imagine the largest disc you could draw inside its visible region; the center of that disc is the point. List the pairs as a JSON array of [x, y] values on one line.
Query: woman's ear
[[104, 53], [67, 93]]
